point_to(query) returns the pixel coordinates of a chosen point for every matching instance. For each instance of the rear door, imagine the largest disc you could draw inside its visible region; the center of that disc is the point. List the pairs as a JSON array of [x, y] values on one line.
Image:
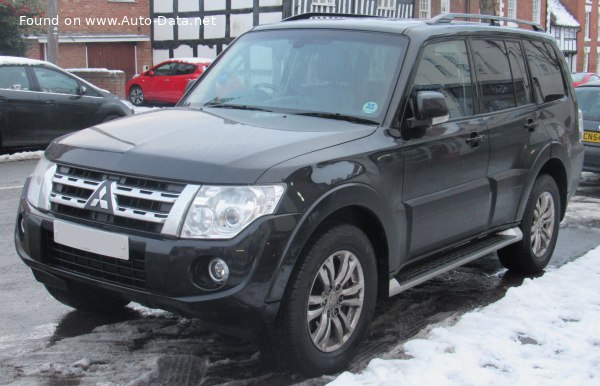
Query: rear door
[[445, 189], [23, 116], [183, 73], [512, 118]]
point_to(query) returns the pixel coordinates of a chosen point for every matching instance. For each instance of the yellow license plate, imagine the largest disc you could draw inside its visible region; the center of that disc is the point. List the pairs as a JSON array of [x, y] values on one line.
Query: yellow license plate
[[590, 136]]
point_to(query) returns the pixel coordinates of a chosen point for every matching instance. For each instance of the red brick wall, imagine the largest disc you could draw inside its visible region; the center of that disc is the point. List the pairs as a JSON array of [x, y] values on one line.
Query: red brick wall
[[71, 55], [104, 9], [577, 9], [113, 81]]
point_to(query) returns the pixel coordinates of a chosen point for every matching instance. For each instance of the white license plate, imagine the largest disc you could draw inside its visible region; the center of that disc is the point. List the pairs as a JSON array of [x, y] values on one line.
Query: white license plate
[[91, 240]]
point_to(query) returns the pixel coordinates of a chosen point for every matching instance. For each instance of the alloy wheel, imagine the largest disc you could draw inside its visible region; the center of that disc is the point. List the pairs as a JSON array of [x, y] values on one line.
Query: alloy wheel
[[543, 224], [335, 301]]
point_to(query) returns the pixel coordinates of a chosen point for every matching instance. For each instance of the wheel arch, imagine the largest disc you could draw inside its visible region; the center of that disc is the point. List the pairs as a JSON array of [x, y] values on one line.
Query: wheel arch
[[355, 204], [554, 167]]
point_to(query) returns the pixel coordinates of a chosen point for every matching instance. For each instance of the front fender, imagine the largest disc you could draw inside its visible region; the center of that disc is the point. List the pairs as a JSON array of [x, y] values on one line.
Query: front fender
[[347, 195]]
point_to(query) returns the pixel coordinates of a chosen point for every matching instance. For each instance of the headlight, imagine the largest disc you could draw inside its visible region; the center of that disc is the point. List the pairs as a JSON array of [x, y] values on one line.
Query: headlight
[[221, 212], [40, 184]]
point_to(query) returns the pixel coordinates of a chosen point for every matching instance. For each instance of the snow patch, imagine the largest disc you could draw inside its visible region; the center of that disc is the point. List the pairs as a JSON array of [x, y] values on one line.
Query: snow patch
[[99, 70], [543, 332], [562, 16], [26, 155], [20, 61], [193, 60]]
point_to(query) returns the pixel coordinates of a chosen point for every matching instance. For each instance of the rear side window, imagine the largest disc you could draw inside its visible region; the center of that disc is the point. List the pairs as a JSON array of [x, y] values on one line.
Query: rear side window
[[546, 75], [54, 82], [184, 69], [444, 67], [13, 78], [519, 73], [493, 75]]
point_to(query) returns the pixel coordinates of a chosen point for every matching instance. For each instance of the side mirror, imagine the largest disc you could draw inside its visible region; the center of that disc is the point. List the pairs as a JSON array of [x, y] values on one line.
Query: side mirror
[[81, 90], [150, 73], [430, 109]]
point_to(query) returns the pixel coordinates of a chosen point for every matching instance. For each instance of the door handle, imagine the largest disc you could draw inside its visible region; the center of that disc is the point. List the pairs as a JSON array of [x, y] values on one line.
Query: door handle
[[531, 125], [50, 102], [474, 139]]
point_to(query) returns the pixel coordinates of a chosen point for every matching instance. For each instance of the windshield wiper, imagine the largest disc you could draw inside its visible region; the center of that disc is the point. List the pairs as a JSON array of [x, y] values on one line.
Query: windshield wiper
[[340, 117], [232, 106]]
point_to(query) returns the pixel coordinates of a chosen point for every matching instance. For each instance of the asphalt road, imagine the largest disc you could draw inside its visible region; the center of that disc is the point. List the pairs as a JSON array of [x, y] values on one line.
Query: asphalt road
[[44, 342]]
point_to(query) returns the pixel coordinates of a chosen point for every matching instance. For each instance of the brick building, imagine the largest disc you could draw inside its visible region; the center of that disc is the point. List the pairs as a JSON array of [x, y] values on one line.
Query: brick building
[[93, 34]]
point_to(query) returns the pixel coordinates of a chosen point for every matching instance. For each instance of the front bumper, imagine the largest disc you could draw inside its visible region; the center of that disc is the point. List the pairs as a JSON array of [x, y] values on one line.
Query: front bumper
[[591, 162], [239, 308]]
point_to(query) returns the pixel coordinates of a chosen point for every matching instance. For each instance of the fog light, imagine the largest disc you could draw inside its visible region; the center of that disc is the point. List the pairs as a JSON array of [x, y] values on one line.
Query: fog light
[[218, 270]]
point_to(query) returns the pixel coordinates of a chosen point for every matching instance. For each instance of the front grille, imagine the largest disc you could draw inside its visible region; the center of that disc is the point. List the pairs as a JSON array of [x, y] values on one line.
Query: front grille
[[130, 273], [137, 203]]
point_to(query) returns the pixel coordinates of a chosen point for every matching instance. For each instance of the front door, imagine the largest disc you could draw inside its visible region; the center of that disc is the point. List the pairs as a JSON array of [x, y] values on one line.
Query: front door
[[446, 191], [24, 117]]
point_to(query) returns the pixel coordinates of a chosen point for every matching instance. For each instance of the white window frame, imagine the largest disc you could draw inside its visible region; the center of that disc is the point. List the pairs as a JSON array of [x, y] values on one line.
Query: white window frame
[[587, 25], [386, 4], [511, 9], [536, 15], [586, 59], [598, 63], [325, 3], [424, 9], [445, 6]]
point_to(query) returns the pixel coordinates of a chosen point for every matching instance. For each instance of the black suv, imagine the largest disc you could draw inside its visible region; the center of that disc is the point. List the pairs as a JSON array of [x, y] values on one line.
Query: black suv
[[318, 165]]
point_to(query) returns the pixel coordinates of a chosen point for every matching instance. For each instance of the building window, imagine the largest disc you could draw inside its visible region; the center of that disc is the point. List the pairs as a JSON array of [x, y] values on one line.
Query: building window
[[424, 9], [511, 9], [444, 6], [586, 59], [598, 63], [386, 4], [536, 12], [587, 25], [328, 3]]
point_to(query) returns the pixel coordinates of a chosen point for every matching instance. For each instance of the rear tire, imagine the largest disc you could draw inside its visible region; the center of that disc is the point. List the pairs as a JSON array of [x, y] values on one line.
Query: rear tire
[[540, 230], [136, 96], [88, 299], [328, 305]]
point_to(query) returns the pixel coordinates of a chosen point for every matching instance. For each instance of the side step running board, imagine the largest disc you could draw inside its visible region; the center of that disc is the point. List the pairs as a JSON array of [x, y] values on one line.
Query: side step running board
[[421, 273]]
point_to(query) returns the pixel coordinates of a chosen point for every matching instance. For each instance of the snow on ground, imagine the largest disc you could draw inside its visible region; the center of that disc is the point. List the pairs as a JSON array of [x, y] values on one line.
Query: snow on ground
[[545, 332], [21, 156]]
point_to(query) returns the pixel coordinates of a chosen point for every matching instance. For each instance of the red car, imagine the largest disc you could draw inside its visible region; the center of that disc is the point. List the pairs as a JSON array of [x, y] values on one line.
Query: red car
[[583, 77], [165, 82]]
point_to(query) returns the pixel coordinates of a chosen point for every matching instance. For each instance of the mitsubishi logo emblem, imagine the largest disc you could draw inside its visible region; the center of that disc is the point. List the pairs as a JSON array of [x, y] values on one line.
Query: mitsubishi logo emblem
[[103, 200]]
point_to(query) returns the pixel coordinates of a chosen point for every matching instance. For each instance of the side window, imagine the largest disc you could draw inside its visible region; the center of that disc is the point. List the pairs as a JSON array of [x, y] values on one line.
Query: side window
[[493, 75], [546, 74], [519, 73], [444, 67], [184, 69], [13, 78], [165, 69], [55, 82]]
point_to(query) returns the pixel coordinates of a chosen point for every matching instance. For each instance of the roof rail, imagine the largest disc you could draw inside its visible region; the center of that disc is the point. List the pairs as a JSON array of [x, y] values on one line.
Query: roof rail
[[308, 15], [449, 17]]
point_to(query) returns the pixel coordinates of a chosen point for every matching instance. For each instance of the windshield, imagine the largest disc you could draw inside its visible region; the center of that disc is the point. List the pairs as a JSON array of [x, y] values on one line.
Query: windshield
[[589, 102], [328, 73]]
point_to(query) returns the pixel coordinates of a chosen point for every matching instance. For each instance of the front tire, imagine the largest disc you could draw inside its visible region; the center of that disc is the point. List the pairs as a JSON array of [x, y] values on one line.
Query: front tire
[[88, 299], [136, 96], [329, 303], [540, 230]]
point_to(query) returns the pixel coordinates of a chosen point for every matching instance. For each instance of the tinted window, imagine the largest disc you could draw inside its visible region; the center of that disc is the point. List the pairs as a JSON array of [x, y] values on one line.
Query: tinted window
[[444, 67], [165, 69], [545, 71], [13, 78], [493, 75], [519, 73], [184, 69], [588, 99], [52, 81]]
